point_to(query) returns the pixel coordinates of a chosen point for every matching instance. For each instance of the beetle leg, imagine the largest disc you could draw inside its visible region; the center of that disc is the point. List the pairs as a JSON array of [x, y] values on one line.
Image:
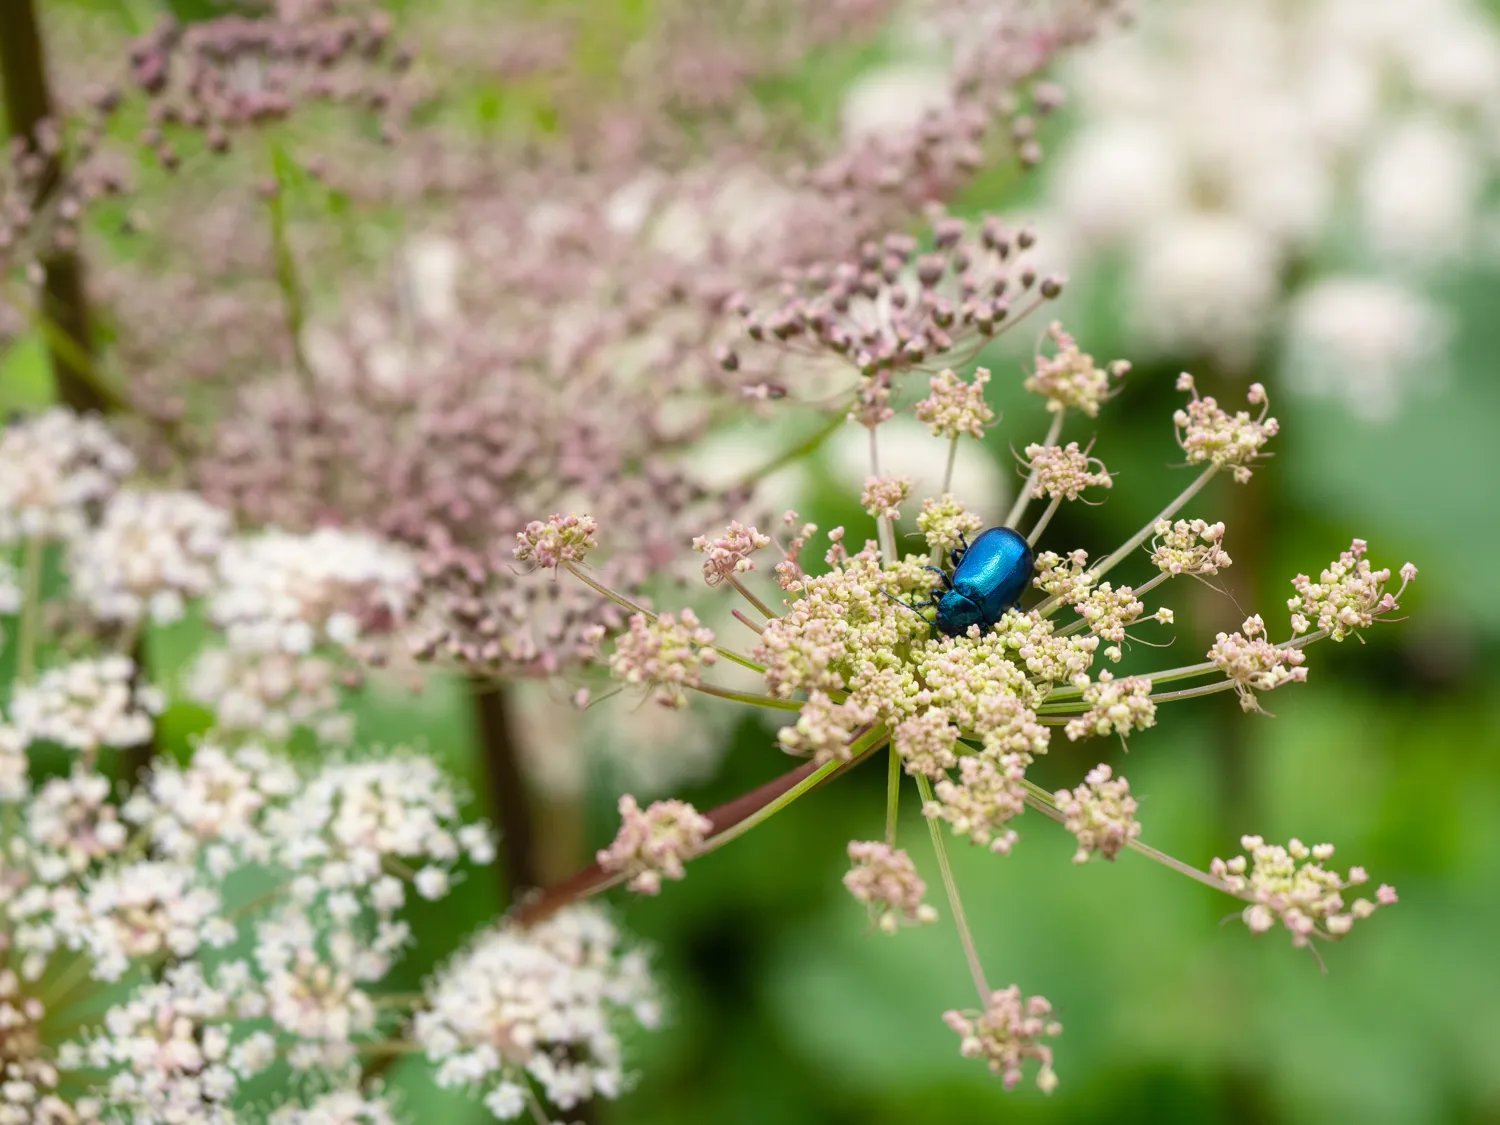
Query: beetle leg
[[961, 550], [947, 582]]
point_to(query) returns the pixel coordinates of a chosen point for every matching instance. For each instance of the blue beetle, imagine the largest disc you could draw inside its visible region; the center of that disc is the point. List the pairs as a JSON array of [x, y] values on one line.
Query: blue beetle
[[988, 578]]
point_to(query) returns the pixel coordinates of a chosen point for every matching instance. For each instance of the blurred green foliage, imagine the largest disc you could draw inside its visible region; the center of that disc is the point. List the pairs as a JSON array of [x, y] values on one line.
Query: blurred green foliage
[[785, 1007]]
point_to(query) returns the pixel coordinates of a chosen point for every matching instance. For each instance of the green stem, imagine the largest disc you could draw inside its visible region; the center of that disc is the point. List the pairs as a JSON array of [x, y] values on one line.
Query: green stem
[[31, 609], [1039, 799], [751, 598], [892, 796], [952, 460], [1041, 524], [965, 936], [884, 528], [625, 603], [796, 452], [287, 278], [750, 697], [1023, 498], [1103, 567]]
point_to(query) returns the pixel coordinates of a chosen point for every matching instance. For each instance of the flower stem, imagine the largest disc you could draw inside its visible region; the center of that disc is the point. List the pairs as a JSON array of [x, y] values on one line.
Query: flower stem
[[778, 792], [28, 104], [948, 471], [287, 279], [1099, 570], [1023, 498], [750, 697], [1039, 799], [1041, 524], [31, 609], [883, 526], [940, 846], [751, 598], [625, 603], [892, 796], [796, 452], [510, 800]]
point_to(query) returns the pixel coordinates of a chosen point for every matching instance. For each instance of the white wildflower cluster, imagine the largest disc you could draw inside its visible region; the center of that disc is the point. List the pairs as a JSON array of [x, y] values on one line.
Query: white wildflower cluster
[[1348, 596], [963, 687], [538, 1006], [666, 653], [1189, 547], [1290, 885], [270, 694], [1100, 813], [885, 879], [279, 598], [1210, 435], [1115, 707], [1254, 664], [1011, 1030], [1210, 160], [86, 705], [150, 553], [144, 893], [59, 469], [652, 845], [288, 593]]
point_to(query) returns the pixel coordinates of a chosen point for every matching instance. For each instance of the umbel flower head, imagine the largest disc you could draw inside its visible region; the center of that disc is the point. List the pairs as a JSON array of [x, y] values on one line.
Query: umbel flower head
[[853, 655]]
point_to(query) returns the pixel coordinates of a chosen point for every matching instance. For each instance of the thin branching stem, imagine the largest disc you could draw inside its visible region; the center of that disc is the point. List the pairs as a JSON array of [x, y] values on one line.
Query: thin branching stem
[[892, 796], [766, 610], [1023, 498], [625, 603], [965, 936], [884, 527], [1041, 524], [752, 698], [31, 610]]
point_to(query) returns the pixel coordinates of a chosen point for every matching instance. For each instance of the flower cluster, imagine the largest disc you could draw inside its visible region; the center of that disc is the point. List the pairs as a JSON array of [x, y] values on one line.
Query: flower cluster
[[1063, 472], [885, 879], [955, 407], [1010, 1031], [281, 592], [1189, 547], [1100, 812], [652, 845], [558, 540], [1290, 885], [1254, 664], [1070, 379], [538, 1005], [664, 653], [86, 705], [965, 716], [1210, 169], [60, 468], [730, 554], [150, 553], [1210, 435], [1115, 707], [1348, 595]]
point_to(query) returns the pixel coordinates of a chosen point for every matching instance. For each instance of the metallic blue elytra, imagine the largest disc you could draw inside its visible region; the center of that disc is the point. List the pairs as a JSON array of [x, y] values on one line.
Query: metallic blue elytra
[[989, 576]]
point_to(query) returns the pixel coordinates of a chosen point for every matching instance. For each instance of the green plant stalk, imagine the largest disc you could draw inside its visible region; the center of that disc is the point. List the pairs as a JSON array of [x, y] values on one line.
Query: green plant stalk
[[31, 610], [965, 935]]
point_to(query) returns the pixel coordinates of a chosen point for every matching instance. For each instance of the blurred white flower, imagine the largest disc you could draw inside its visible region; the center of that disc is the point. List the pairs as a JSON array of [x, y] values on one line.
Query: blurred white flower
[[1363, 340], [894, 99], [1203, 284], [1419, 191], [1225, 148]]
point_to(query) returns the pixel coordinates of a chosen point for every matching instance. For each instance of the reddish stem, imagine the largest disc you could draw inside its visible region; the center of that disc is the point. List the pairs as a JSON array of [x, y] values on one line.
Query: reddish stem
[[593, 879]]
